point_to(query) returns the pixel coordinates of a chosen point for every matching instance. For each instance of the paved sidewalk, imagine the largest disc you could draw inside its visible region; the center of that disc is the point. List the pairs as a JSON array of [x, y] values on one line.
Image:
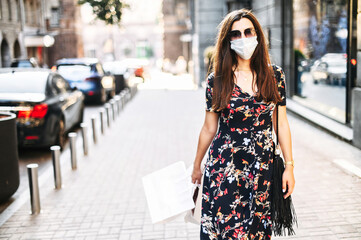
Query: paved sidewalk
[[104, 198]]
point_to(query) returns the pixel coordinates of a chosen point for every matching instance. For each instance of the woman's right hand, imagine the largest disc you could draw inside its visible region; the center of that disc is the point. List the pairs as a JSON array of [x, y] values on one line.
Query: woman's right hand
[[196, 175]]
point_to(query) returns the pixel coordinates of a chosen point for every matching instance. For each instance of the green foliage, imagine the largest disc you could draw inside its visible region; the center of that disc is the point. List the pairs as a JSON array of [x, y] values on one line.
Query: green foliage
[[109, 11]]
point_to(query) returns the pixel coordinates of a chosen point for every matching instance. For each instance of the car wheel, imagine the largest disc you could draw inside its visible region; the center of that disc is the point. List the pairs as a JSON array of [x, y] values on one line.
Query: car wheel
[[60, 139], [103, 96]]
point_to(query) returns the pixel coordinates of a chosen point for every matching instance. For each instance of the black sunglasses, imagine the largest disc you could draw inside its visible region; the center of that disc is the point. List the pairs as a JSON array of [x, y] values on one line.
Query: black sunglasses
[[248, 32]]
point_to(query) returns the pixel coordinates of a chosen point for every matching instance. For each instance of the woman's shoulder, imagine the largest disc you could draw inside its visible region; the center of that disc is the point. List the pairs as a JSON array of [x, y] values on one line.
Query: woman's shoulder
[[210, 76], [277, 69], [210, 79], [278, 72]]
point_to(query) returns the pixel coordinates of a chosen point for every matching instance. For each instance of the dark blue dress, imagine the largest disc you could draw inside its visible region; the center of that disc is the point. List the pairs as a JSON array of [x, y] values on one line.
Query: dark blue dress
[[238, 172]]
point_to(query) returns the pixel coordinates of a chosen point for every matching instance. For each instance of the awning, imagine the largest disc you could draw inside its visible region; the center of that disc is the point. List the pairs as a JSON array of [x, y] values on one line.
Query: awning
[[39, 41]]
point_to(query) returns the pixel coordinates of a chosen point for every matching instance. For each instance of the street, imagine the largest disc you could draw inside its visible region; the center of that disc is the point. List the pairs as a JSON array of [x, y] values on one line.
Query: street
[[42, 157], [104, 198]]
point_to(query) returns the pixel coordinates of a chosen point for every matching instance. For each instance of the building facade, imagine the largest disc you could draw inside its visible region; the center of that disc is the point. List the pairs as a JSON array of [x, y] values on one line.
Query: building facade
[[316, 42], [42, 29], [177, 29], [138, 36], [63, 21], [207, 16], [11, 36]]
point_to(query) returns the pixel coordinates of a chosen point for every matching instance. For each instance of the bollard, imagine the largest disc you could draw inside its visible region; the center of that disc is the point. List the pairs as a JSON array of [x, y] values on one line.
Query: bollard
[[125, 95], [102, 111], [72, 139], [112, 104], [132, 92], [123, 99], [94, 129], [34, 188], [107, 109], [117, 103], [128, 95], [55, 154], [84, 133]]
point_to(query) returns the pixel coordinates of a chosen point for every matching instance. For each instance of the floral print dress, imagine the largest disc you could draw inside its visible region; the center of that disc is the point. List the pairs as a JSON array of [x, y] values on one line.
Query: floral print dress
[[238, 172]]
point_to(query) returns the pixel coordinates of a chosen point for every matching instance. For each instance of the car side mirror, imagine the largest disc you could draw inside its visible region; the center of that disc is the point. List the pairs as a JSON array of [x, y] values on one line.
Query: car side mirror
[[74, 89]]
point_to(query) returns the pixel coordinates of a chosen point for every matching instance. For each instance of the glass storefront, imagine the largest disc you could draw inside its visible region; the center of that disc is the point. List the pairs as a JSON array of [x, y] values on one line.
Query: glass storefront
[[320, 34]]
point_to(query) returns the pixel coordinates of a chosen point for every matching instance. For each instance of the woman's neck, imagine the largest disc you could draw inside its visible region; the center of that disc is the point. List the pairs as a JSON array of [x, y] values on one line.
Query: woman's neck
[[243, 65]]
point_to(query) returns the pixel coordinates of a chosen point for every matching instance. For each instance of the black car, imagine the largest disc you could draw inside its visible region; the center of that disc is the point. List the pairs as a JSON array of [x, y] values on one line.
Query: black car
[[88, 75], [119, 71], [44, 103]]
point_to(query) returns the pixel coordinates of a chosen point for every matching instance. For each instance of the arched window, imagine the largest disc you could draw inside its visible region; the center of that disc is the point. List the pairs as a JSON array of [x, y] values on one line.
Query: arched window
[[17, 49], [5, 54]]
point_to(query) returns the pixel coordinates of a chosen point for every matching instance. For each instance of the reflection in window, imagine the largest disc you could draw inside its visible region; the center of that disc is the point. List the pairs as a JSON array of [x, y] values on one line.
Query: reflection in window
[[320, 42]]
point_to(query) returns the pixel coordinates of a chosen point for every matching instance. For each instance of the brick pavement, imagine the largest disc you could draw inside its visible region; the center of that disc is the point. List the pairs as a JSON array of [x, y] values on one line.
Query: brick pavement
[[104, 198]]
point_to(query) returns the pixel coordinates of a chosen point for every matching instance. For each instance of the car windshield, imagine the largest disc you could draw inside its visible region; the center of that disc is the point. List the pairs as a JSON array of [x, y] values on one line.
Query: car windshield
[[23, 82], [115, 67], [337, 63], [22, 64], [74, 71]]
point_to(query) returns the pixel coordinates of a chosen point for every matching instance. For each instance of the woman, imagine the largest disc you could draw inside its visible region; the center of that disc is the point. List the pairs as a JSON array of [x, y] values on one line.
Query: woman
[[241, 95]]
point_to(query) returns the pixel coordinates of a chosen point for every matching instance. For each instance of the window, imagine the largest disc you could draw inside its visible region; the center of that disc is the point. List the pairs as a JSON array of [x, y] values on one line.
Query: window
[[74, 72], [236, 4], [18, 11], [54, 18], [9, 9], [60, 85], [23, 82], [320, 48], [28, 11], [1, 10]]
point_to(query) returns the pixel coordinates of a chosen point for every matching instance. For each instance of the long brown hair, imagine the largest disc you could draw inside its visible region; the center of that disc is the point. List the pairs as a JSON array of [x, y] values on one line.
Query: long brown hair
[[224, 59]]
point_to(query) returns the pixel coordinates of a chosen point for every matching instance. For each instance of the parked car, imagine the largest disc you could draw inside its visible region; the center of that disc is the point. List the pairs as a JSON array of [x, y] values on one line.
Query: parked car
[[88, 75], [44, 103], [330, 69], [136, 67], [25, 63], [119, 71]]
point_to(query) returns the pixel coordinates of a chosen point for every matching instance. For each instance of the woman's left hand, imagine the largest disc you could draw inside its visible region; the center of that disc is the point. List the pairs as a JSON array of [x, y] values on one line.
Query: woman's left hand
[[288, 181]]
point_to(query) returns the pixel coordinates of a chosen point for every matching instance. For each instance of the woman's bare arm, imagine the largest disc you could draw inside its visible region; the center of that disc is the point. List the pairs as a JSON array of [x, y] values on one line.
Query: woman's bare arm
[[284, 138], [208, 131], [284, 134]]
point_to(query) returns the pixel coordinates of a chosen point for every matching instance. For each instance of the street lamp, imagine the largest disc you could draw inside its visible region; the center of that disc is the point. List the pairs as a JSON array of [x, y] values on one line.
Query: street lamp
[[48, 41]]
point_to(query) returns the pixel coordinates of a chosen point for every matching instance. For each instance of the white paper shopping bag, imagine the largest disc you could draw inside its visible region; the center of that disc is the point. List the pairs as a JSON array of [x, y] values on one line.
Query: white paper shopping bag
[[194, 215], [168, 192]]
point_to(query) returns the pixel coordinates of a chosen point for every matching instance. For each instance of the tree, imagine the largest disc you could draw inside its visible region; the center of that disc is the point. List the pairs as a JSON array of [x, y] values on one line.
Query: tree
[[110, 11]]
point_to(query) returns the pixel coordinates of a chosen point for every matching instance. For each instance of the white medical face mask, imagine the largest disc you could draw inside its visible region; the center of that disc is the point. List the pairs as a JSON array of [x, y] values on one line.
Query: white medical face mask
[[244, 47]]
